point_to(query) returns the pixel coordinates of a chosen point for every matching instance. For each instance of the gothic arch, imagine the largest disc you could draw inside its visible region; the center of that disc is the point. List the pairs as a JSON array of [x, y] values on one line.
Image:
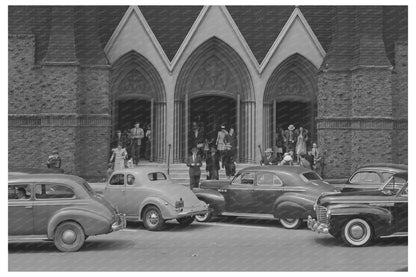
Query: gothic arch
[[295, 80], [215, 68], [134, 77]]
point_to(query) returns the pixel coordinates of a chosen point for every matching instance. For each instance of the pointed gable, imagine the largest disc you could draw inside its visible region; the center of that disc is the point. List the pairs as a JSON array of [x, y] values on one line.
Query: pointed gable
[[260, 25], [321, 19], [170, 24], [108, 18]]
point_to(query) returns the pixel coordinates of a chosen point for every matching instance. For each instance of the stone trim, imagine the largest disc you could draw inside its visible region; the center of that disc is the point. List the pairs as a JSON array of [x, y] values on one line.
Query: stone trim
[[59, 120], [363, 123], [27, 35]]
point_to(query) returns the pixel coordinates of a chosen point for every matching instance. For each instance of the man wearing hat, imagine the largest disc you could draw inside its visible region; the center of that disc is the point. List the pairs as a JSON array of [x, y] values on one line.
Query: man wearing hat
[[54, 161], [137, 134], [290, 138], [213, 164], [194, 163], [268, 158]]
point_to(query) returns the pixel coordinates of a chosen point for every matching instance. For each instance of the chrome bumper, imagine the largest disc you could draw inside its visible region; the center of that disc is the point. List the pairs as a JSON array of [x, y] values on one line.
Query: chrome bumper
[[192, 213], [120, 223], [317, 226]]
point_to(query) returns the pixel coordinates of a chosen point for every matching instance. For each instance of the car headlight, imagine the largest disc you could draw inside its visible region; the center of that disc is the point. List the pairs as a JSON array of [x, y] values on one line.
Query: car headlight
[[328, 213]]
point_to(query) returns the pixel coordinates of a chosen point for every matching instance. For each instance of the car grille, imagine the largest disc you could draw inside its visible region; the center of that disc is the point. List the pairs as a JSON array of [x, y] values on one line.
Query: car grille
[[321, 214]]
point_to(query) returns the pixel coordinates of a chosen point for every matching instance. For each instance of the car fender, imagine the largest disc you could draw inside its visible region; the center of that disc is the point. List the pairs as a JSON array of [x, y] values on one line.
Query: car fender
[[92, 223], [294, 205], [380, 218], [215, 199], [166, 209]]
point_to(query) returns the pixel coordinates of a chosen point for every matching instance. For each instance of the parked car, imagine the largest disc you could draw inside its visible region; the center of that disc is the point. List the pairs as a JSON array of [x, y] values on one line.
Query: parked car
[[58, 207], [370, 176], [287, 193], [360, 216], [147, 194]]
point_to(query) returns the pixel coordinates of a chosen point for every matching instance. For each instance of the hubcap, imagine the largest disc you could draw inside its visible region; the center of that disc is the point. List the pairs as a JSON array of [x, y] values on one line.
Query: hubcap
[[289, 220], [69, 236], [201, 217], [357, 232], [153, 218]]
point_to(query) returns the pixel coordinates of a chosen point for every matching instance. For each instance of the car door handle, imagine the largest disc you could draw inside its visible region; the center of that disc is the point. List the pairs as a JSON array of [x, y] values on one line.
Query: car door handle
[[28, 207]]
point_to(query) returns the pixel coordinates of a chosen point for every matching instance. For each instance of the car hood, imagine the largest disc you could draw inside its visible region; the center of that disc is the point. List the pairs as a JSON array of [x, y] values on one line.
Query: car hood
[[174, 192], [353, 197]]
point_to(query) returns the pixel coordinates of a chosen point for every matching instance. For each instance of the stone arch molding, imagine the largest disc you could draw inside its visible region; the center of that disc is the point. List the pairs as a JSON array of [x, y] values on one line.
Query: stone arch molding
[[214, 68], [133, 76], [294, 79]]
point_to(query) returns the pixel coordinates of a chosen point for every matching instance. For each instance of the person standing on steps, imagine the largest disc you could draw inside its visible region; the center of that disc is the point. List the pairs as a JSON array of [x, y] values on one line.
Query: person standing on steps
[[194, 163]]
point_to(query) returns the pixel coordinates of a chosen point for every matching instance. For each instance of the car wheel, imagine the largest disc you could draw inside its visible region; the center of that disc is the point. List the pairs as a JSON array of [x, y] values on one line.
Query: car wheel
[[357, 232], [206, 216], [69, 237], [291, 223], [185, 221], [152, 219]]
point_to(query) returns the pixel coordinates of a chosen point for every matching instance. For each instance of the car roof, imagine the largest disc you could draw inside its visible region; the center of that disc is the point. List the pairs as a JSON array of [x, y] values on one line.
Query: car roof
[[386, 166], [60, 178], [141, 170], [279, 168]]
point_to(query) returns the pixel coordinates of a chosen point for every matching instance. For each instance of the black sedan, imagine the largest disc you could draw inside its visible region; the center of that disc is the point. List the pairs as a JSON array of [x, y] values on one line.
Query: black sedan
[[357, 217], [282, 192]]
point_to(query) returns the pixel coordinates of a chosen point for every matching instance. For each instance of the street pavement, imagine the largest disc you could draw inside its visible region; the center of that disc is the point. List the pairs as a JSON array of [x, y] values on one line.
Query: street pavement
[[222, 245]]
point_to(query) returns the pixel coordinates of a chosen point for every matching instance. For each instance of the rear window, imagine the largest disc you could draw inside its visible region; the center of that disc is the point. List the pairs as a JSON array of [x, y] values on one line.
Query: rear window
[[88, 188], [311, 176], [156, 176]]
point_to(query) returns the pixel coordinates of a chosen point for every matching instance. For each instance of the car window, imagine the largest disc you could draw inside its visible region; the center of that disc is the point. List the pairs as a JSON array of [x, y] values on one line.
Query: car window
[[117, 180], [245, 178], [311, 176], [156, 176], [365, 177], [268, 179], [130, 179], [53, 191], [20, 191], [386, 175]]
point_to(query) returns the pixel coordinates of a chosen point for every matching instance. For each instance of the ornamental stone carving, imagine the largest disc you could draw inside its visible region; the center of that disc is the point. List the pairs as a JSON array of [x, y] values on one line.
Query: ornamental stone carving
[[135, 83], [212, 75], [291, 84]]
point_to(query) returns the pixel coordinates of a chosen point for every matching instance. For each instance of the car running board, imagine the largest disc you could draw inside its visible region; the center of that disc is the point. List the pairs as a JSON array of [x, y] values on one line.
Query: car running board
[[261, 216], [27, 238], [398, 234]]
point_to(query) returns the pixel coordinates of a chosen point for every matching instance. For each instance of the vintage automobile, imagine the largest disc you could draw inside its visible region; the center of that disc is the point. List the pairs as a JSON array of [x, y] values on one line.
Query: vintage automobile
[[147, 194], [58, 207], [370, 176], [360, 216], [287, 193]]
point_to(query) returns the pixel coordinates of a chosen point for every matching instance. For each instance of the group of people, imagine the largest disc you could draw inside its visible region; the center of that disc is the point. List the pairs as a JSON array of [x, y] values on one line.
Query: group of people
[[129, 145], [218, 153], [291, 146]]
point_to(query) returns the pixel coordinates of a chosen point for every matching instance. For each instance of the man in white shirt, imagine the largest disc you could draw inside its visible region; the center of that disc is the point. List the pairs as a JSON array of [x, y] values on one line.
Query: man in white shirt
[[137, 134]]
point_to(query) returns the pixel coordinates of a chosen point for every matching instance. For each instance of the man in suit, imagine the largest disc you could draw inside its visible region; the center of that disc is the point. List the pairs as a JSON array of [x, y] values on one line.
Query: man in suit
[[137, 134], [194, 163], [213, 164], [197, 138]]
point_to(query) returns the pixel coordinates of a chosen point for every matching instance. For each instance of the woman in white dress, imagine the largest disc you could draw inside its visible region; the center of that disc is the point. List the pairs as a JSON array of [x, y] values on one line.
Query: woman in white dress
[[301, 143], [119, 155]]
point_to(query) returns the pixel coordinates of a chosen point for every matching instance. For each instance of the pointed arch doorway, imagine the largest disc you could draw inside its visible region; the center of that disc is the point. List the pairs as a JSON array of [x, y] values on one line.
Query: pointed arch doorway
[[215, 87], [290, 98], [138, 95]]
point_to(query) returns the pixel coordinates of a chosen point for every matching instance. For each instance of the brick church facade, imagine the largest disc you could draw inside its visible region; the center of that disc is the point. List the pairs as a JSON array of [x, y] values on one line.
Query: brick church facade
[[77, 74]]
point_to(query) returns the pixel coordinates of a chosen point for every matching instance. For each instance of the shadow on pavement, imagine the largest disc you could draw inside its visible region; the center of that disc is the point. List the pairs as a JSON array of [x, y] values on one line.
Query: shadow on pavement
[[171, 226], [49, 246]]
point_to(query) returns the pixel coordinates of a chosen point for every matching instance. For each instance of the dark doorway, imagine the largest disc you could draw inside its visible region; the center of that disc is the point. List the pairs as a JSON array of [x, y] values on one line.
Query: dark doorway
[[131, 111], [296, 113], [211, 112]]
